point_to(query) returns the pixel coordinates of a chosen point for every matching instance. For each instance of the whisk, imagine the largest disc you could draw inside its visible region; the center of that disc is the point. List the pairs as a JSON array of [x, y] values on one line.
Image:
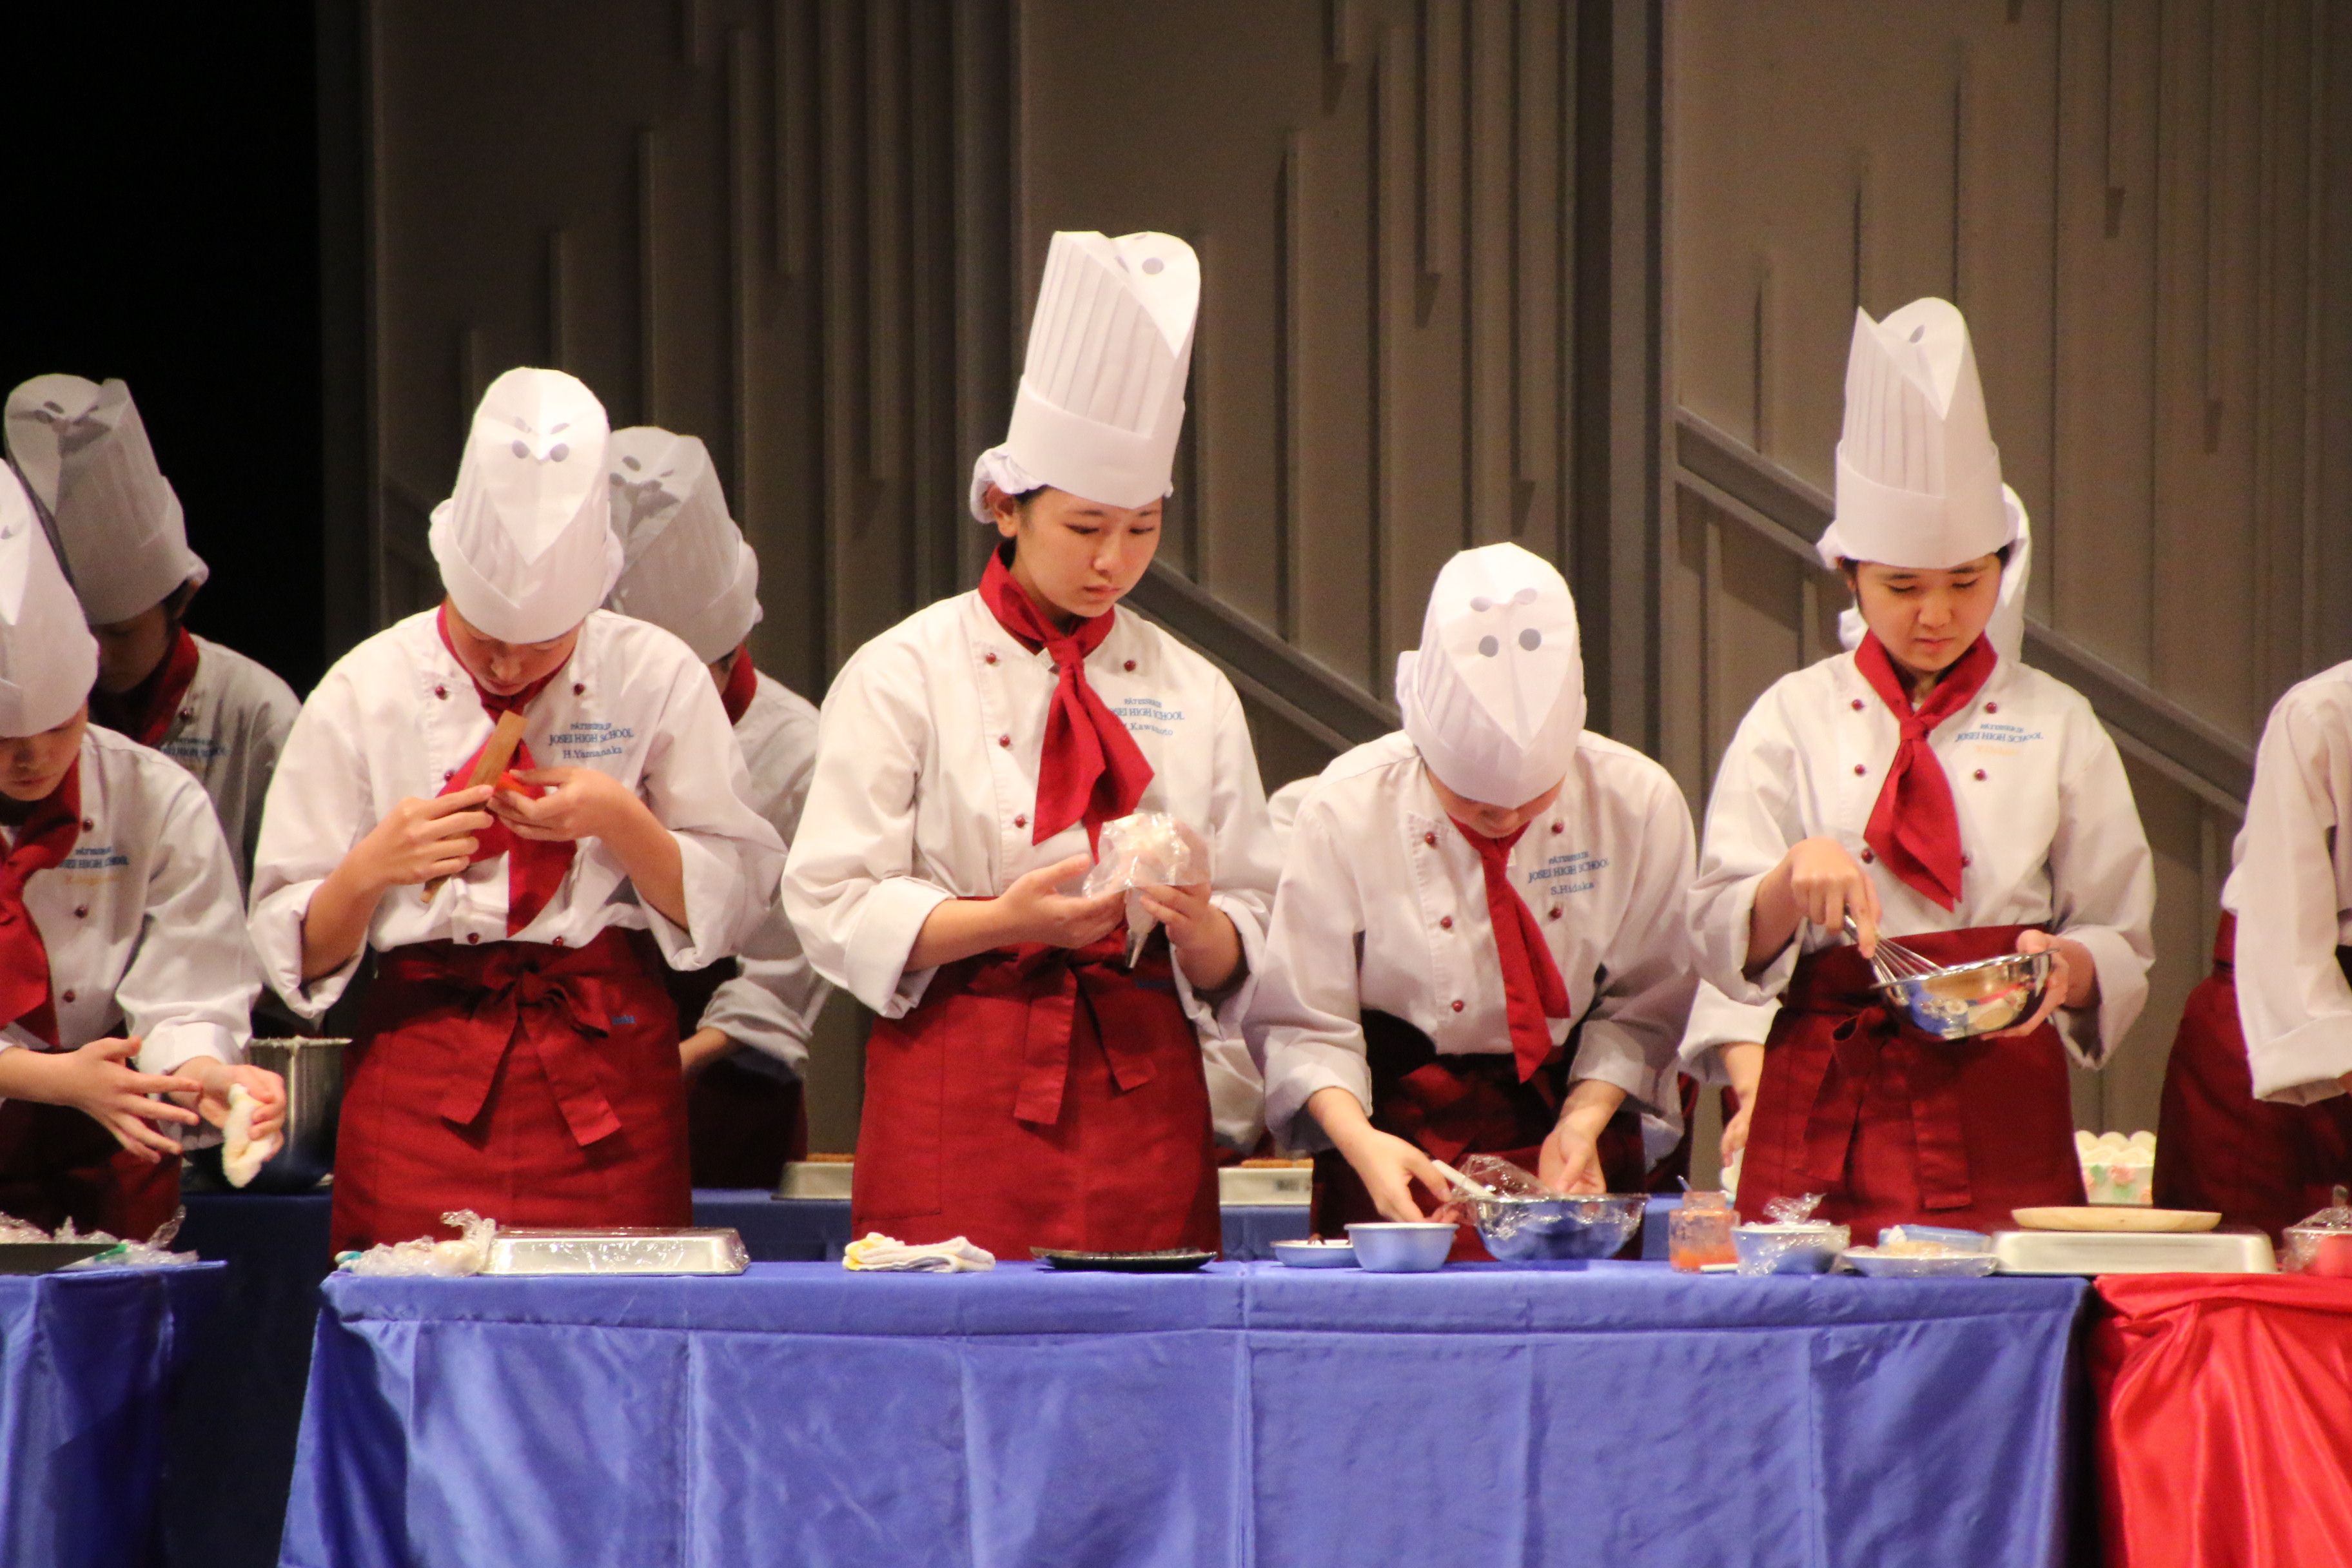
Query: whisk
[[1891, 961]]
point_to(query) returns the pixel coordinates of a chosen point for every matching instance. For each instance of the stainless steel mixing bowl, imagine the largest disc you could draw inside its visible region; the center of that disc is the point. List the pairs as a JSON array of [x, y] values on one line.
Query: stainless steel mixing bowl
[[1522, 1229], [1969, 999]]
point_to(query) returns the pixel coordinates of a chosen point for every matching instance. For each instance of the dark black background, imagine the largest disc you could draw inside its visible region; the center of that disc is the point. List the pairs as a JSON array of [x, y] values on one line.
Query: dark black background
[[162, 225]]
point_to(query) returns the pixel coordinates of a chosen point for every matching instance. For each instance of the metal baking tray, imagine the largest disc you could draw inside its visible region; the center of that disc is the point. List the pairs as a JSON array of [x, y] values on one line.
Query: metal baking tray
[[823, 1179], [1266, 1184], [2134, 1252], [619, 1251], [47, 1257]]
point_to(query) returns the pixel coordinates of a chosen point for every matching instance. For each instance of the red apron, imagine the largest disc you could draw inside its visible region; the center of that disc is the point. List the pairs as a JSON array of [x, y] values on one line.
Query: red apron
[[2257, 1161], [533, 1084], [741, 1125], [1041, 1097], [58, 1163], [1452, 1106], [1895, 1127]]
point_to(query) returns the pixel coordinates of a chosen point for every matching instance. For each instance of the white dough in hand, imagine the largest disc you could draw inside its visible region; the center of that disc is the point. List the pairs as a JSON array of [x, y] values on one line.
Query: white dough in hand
[[241, 1155]]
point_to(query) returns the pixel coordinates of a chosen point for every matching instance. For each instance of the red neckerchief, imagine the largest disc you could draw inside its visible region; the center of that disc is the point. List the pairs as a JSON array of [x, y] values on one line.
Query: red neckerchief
[[1091, 770], [1532, 990], [1913, 828], [535, 866], [145, 711], [743, 685], [47, 836]]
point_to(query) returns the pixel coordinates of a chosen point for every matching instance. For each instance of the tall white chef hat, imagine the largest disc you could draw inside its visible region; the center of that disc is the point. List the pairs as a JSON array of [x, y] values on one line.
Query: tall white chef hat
[[84, 450], [48, 661], [1102, 395], [525, 543], [1494, 699], [1919, 479], [684, 565]]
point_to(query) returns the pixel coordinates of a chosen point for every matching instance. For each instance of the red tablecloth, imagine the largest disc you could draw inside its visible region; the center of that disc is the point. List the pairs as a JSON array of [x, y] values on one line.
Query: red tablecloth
[[2225, 1420]]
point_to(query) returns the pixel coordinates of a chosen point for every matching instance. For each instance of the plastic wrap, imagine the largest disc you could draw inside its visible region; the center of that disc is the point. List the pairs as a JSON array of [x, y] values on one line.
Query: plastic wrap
[[155, 1252], [1148, 849], [1923, 1252], [2322, 1243], [618, 1250], [444, 1259], [1520, 1219], [1790, 1241]]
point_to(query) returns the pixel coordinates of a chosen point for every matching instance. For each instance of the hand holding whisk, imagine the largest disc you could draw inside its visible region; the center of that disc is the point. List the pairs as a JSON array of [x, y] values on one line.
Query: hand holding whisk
[[1890, 960]]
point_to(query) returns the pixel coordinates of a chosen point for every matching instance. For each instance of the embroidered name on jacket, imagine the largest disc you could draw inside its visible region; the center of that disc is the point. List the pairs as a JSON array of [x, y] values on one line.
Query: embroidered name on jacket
[[1147, 713], [1564, 867], [589, 739], [94, 857], [189, 750], [1998, 734]]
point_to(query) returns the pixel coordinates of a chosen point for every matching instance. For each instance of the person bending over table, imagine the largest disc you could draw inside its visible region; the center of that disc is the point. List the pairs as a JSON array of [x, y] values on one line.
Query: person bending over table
[[125, 981], [1927, 784], [1024, 1086], [518, 1054], [1478, 946]]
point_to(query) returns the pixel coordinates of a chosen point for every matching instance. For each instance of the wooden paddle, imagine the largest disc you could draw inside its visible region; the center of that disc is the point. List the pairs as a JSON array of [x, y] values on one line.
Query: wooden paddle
[[497, 752]]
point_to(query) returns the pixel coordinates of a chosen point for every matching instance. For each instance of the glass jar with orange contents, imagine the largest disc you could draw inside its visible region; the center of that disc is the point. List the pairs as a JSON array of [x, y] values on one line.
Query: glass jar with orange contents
[[1699, 1233]]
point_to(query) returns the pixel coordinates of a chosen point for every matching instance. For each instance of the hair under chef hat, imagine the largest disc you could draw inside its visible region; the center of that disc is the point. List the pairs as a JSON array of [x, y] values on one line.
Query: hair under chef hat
[[1494, 697], [48, 661], [2006, 630], [1918, 477], [84, 450], [1102, 393], [684, 565], [525, 542]]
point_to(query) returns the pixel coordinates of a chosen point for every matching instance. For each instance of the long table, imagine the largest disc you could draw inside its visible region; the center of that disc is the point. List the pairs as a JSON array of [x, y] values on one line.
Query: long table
[[801, 1414], [88, 1362]]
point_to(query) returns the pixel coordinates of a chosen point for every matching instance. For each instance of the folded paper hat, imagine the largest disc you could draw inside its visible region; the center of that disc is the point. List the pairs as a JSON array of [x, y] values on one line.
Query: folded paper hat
[[48, 661], [1101, 401], [685, 566], [83, 448], [525, 542], [1494, 697]]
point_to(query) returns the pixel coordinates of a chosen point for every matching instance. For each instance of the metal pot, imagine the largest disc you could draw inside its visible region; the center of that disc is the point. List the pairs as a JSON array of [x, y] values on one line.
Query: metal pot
[[313, 1071]]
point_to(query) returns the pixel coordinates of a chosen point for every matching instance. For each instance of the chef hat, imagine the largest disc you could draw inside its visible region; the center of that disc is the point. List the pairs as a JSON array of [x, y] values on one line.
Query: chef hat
[[1102, 396], [48, 661], [1493, 700], [1919, 479], [2006, 627], [686, 567], [525, 543], [84, 450]]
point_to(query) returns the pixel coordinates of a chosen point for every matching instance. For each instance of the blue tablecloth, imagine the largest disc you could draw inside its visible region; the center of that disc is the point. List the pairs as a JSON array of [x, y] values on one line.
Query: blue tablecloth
[[88, 1362], [1249, 1414]]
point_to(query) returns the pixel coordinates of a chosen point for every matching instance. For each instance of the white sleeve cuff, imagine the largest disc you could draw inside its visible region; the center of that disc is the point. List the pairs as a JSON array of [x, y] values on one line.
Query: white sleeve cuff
[[713, 884], [889, 919], [1723, 949], [1610, 1053], [1298, 1069], [2302, 1065], [276, 928], [2092, 1033]]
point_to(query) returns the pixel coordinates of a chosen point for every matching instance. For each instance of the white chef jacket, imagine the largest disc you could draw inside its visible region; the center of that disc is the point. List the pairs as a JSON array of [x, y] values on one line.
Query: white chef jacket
[[2047, 827], [230, 728], [1715, 1020], [772, 1005], [1383, 906], [144, 929], [398, 715], [928, 753], [2291, 888]]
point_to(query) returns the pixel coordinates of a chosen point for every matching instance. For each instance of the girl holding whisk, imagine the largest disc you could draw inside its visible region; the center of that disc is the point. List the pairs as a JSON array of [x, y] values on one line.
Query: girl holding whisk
[[1929, 786]]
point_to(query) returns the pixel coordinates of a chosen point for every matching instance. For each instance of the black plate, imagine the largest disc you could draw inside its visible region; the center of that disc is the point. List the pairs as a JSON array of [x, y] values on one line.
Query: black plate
[[1175, 1260], [46, 1257]]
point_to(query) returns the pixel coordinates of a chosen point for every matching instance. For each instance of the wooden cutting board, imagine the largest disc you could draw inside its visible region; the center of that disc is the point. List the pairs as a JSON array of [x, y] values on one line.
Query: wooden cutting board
[[2115, 1217]]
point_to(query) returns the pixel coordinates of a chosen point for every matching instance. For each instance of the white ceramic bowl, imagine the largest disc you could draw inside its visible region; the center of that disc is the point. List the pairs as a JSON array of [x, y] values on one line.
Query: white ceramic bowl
[[1315, 1254], [1397, 1247]]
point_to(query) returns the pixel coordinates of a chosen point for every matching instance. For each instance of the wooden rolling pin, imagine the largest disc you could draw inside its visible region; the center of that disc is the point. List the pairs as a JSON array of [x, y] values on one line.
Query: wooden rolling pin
[[497, 752]]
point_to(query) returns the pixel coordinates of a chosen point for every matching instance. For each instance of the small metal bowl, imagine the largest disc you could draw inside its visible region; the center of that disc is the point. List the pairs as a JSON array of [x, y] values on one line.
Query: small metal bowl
[[1518, 1230], [1970, 999]]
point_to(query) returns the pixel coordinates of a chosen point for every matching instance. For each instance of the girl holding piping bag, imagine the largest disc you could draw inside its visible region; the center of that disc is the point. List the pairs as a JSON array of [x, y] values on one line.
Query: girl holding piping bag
[[1023, 1085], [1479, 943], [518, 1054], [1928, 785]]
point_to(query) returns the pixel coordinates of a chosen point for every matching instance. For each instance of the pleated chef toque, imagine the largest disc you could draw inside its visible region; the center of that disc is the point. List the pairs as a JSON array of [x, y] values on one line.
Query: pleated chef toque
[[1102, 394], [1494, 697], [684, 565], [48, 661], [84, 450], [1918, 478], [525, 543]]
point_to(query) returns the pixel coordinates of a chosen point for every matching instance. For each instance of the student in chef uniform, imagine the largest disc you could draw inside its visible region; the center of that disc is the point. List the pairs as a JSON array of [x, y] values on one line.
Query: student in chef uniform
[[1023, 1085], [687, 569], [84, 450], [124, 975], [2256, 1122], [1937, 790], [518, 1054], [1479, 945]]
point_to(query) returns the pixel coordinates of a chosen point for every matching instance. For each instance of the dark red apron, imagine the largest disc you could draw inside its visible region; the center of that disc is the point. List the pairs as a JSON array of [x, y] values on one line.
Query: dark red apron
[[1450, 1107], [533, 1084], [741, 1125], [58, 1163], [1041, 1097], [1895, 1127], [2258, 1162]]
